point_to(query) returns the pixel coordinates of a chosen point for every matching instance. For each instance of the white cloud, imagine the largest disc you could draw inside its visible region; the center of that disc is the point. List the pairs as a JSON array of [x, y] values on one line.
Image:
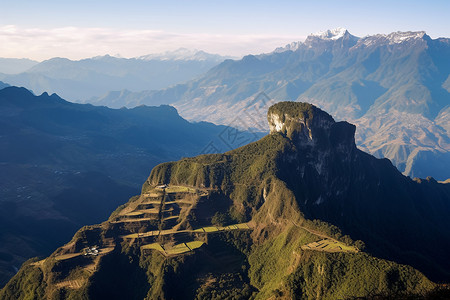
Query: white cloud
[[78, 42]]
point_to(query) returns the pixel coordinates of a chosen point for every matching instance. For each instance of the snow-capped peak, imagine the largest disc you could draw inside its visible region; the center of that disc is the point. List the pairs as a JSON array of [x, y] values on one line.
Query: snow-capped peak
[[332, 34], [184, 54], [399, 36], [393, 38], [328, 35]]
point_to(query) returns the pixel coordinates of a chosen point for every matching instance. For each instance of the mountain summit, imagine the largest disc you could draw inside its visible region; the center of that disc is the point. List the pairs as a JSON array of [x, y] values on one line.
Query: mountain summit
[[184, 54], [332, 34], [394, 38], [298, 121]]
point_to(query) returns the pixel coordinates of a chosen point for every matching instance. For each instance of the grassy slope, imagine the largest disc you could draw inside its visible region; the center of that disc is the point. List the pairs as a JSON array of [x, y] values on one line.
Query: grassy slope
[[278, 267]]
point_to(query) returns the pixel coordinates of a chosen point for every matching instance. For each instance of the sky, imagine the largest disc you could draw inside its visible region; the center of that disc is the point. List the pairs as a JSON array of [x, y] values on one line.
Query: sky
[[44, 29]]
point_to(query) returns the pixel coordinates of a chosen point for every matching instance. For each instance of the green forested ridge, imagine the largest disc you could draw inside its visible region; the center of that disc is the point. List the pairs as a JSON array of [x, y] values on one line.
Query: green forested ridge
[[290, 194]]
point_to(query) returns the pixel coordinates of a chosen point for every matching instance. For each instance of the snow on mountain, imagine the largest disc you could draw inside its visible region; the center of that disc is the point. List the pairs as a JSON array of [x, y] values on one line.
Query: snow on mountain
[[339, 32], [399, 37], [184, 54], [327, 35], [333, 34], [393, 38]]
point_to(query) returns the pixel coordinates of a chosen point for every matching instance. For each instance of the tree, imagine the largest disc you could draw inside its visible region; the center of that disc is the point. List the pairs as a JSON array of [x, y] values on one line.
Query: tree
[[220, 219]]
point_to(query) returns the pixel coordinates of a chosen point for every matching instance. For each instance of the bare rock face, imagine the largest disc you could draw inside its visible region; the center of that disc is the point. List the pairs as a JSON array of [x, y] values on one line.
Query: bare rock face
[[307, 125]]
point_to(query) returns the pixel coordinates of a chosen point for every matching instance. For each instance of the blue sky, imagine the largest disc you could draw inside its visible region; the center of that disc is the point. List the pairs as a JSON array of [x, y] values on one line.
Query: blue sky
[[77, 29]]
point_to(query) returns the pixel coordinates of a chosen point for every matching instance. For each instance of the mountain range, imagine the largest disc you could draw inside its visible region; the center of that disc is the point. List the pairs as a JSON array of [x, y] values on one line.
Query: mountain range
[[3, 85], [16, 65], [65, 165], [299, 214], [80, 80], [394, 87]]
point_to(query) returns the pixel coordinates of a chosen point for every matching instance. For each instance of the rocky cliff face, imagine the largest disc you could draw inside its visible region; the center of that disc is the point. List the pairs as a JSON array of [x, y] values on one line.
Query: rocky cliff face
[[298, 122], [307, 125], [334, 181]]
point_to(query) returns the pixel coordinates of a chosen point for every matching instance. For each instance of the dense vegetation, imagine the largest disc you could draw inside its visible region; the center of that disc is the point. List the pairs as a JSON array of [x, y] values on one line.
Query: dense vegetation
[[299, 110]]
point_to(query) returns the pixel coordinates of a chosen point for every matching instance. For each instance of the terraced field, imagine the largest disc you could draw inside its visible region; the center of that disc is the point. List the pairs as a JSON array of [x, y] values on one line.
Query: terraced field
[[209, 229], [179, 189], [329, 245], [174, 249], [135, 213], [170, 202], [67, 256], [166, 206], [72, 284], [161, 204], [153, 246]]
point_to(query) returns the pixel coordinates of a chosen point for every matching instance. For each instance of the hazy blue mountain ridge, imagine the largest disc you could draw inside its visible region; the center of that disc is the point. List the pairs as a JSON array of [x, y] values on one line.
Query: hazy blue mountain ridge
[[3, 85], [79, 80], [16, 65]]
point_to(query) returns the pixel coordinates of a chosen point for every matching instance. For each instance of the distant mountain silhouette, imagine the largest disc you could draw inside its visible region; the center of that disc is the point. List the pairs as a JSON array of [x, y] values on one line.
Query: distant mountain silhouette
[[16, 65], [80, 80], [3, 85]]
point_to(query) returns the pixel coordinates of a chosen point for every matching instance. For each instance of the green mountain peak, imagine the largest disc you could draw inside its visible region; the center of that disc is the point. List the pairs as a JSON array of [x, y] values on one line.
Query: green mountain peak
[[271, 219]]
